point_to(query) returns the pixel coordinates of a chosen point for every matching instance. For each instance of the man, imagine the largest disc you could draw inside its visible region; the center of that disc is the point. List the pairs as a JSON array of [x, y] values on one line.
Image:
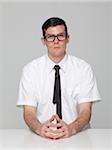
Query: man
[[72, 89]]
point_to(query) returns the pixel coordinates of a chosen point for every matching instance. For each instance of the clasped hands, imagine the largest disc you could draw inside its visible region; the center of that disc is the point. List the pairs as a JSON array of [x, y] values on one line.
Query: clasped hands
[[56, 130]]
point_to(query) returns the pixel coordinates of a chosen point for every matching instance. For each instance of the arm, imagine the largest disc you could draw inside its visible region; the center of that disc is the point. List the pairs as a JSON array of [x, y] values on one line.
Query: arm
[[83, 118], [31, 120], [68, 130]]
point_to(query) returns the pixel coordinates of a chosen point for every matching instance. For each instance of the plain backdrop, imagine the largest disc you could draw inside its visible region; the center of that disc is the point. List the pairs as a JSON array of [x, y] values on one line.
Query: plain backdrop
[[90, 29]]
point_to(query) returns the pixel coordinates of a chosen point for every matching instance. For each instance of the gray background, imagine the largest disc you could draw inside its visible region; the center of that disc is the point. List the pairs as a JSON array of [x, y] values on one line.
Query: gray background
[[90, 29]]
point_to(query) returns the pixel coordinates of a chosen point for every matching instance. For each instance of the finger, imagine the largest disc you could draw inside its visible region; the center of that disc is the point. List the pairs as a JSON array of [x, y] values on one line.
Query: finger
[[59, 120], [45, 129], [65, 134], [52, 134], [58, 131], [54, 125], [49, 135], [59, 135], [59, 125], [48, 123], [51, 119], [50, 130]]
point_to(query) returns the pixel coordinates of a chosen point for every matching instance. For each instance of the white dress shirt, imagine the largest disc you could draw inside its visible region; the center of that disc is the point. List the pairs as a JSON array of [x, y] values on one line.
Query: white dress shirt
[[78, 85]]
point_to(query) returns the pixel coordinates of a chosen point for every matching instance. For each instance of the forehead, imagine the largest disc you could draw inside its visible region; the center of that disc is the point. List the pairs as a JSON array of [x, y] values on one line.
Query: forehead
[[55, 29]]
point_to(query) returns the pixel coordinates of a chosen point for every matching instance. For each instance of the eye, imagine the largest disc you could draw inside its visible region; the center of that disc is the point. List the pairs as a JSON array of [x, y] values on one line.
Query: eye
[[50, 36], [61, 35]]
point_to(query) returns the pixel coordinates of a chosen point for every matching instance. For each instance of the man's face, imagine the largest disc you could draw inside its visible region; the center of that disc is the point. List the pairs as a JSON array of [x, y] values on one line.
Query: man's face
[[56, 47]]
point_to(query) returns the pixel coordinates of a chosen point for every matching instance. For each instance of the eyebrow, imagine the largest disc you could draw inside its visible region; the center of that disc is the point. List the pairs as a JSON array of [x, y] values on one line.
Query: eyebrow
[[55, 34]]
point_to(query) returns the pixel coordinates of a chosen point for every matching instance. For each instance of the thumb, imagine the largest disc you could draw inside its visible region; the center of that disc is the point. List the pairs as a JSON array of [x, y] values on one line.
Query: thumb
[[51, 119], [58, 118]]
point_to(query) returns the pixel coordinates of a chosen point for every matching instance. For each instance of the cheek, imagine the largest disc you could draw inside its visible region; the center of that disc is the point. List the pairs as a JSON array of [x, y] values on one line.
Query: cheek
[[64, 45], [49, 44]]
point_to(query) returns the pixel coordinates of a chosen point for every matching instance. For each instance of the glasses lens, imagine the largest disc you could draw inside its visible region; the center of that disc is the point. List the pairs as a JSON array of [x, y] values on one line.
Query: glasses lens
[[51, 38], [61, 37]]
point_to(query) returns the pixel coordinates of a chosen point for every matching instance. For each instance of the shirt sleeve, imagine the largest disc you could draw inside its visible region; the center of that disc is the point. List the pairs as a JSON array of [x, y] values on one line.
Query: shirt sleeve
[[88, 86], [26, 94]]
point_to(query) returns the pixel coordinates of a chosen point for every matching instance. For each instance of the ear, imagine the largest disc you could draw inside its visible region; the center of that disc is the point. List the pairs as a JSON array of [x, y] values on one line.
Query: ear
[[43, 41], [68, 38]]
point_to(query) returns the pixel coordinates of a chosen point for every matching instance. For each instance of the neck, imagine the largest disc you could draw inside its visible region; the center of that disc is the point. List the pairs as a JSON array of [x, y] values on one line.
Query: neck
[[57, 59]]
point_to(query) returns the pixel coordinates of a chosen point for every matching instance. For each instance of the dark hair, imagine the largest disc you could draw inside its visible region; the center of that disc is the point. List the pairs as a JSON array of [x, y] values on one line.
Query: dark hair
[[54, 21]]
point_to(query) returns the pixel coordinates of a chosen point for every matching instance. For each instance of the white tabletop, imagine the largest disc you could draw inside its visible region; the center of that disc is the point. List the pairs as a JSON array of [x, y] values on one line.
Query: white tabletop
[[23, 139]]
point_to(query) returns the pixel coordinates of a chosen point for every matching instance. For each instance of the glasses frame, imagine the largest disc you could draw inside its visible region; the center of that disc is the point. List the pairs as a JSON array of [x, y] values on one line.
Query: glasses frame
[[56, 36]]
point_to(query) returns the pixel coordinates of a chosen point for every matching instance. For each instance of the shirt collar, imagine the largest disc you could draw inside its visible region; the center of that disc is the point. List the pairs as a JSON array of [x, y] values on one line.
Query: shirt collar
[[62, 63]]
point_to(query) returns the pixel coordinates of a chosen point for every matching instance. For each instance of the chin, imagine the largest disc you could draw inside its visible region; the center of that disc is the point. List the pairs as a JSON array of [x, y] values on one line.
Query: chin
[[59, 54]]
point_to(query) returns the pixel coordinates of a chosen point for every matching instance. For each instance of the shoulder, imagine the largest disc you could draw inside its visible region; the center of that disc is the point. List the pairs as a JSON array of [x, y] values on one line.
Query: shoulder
[[83, 68], [35, 64], [78, 62]]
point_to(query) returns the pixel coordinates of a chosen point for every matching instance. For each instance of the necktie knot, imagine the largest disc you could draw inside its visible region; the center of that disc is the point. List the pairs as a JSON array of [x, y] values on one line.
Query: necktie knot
[[57, 67]]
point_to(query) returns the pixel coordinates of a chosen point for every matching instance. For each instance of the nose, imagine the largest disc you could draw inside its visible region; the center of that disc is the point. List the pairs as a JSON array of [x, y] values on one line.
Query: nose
[[56, 40]]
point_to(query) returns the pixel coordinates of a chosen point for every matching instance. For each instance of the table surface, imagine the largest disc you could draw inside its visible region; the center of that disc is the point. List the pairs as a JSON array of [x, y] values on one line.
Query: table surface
[[22, 139]]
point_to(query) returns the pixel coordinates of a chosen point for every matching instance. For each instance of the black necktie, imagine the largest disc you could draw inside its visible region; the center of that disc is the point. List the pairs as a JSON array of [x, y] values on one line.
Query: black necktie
[[57, 91]]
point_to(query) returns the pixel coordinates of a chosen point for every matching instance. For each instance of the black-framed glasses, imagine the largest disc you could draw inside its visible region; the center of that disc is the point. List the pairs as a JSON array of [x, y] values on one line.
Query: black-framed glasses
[[51, 37]]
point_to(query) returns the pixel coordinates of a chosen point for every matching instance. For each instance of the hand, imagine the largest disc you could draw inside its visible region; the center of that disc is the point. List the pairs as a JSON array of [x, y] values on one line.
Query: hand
[[64, 130], [46, 128], [55, 131]]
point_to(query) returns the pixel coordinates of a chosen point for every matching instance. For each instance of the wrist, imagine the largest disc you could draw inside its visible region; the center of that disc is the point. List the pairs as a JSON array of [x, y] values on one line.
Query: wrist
[[72, 128], [38, 130]]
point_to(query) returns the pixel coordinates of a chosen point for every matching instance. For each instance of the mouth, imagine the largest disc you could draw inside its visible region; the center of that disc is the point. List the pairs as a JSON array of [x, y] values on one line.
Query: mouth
[[56, 47]]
